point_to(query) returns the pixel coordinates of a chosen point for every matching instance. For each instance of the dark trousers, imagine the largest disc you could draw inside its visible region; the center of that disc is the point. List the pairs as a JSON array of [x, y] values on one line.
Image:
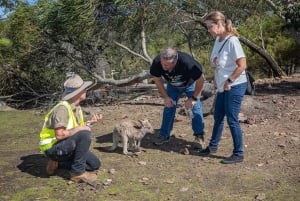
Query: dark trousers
[[73, 153]]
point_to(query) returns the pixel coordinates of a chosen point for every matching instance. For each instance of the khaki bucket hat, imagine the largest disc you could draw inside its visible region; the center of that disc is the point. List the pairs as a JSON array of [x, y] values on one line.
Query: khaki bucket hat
[[73, 86]]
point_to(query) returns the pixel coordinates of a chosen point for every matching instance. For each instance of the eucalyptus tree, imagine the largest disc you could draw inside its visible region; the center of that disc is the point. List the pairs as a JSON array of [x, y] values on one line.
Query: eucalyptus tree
[[141, 28], [44, 38], [23, 39], [238, 12], [130, 23], [7, 5], [114, 40], [289, 12]]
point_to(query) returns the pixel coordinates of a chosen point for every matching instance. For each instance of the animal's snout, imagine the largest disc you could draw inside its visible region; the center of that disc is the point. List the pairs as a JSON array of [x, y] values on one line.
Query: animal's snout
[[150, 130]]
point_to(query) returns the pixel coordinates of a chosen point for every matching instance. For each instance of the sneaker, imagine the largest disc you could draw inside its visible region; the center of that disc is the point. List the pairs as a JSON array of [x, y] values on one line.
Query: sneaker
[[161, 140], [199, 142], [84, 177], [233, 159], [51, 167], [207, 151]]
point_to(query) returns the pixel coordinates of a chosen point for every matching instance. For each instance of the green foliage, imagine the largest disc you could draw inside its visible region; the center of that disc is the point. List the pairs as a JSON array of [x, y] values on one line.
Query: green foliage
[[5, 45], [291, 12], [267, 31], [4, 42], [22, 30], [122, 21], [5, 50], [20, 38], [39, 43], [74, 18]]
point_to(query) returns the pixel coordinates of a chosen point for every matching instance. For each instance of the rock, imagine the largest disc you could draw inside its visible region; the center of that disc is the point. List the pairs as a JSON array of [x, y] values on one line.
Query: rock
[[112, 171], [296, 139], [260, 196], [107, 182], [142, 163], [184, 189]]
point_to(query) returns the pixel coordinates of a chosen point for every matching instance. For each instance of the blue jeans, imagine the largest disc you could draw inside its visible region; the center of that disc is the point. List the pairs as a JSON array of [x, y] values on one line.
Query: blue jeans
[[73, 153], [229, 103], [169, 112]]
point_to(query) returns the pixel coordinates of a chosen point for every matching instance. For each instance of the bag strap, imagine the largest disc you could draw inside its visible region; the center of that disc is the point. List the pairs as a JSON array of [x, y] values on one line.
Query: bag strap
[[223, 44]]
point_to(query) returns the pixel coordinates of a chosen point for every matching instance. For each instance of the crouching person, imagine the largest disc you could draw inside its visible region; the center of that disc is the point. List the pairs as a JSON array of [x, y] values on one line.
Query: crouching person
[[66, 138]]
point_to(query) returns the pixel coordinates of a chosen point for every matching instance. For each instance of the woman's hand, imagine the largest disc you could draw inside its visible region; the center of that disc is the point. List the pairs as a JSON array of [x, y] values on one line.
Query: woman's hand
[[227, 86], [215, 84]]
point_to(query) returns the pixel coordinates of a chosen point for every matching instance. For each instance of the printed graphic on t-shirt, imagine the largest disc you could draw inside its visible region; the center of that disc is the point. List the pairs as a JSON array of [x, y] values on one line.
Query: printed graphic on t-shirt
[[175, 80]]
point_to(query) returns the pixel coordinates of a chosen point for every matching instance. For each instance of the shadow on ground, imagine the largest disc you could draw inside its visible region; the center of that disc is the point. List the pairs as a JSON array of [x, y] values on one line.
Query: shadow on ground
[[176, 145], [35, 165]]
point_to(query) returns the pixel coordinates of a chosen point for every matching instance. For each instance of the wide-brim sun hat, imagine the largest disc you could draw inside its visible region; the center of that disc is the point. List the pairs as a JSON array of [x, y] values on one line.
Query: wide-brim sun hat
[[73, 86]]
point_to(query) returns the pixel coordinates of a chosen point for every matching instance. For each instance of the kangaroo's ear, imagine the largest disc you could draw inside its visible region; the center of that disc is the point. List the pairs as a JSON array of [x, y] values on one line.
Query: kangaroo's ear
[[137, 124]]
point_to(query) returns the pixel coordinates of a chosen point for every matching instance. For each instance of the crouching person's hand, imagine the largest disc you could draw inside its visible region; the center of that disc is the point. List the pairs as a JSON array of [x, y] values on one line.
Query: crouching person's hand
[[95, 118]]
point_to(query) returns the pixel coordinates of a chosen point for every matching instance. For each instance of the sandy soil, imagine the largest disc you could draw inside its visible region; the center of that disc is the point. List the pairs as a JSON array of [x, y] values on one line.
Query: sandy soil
[[271, 171]]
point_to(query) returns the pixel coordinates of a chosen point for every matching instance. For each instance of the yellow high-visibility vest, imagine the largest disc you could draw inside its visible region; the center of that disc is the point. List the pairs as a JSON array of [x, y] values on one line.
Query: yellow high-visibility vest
[[47, 136]]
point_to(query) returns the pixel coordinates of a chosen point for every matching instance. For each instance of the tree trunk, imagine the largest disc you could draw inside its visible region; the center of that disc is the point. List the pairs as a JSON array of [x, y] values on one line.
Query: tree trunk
[[278, 72]]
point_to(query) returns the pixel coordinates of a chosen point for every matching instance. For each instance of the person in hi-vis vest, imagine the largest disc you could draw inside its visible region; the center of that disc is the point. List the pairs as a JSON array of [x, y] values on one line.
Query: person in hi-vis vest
[[65, 137]]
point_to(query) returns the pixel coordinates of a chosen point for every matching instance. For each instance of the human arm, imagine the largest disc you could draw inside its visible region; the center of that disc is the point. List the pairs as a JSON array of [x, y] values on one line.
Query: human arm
[[62, 133], [198, 88], [95, 118], [236, 59], [161, 88], [240, 67], [59, 120]]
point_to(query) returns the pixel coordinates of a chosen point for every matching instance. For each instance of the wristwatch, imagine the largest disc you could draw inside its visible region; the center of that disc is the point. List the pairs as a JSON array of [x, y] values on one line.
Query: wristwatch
[[194, 98], [229, 80]]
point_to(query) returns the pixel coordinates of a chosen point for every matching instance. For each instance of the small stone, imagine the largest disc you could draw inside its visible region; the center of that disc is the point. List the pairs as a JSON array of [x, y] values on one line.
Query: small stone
[[184, 189], [283, 134], [142, 162], [112, 171], [260, 196], [107, 182]]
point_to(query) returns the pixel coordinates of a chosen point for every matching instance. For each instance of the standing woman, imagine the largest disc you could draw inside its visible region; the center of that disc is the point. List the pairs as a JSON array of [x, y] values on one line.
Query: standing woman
[[230, 80]]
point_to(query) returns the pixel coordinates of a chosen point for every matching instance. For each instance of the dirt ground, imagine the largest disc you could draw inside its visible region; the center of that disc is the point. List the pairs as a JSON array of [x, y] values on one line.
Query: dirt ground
[[271, 170]]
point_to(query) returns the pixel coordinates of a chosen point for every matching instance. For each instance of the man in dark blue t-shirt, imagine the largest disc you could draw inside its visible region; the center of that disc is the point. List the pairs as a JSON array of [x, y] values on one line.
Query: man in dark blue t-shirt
[[183, 74]]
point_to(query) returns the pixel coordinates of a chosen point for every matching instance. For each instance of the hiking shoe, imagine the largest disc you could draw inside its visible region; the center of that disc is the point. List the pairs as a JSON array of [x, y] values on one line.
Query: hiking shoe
[[161, 140], [51, 167], [199, 142], [84, 177], [207, 151], [233, 159]]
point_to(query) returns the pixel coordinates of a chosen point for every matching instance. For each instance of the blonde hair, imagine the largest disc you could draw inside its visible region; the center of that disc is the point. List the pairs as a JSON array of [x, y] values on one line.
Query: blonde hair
[[217, 16]]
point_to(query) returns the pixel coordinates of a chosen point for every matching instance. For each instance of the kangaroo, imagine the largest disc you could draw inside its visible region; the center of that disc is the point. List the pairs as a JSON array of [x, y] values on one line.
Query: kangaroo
[[130, 132]]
